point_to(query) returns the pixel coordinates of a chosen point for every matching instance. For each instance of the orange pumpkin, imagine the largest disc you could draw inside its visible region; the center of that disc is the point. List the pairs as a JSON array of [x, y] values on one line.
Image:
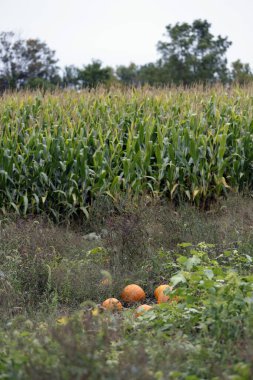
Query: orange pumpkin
[[142, 309], [112, 304], [133, 293], [159, 293], [163, 299]]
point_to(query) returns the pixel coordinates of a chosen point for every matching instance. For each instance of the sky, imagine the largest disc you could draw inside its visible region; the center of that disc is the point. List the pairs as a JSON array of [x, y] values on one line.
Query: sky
[[123, 31]]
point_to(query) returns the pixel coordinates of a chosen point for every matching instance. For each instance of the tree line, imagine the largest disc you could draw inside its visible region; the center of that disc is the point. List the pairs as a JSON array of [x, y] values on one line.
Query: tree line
[[189, 54]]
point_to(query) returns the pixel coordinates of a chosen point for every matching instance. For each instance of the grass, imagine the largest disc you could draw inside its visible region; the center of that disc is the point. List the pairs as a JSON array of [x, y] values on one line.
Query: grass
[[51, 273]]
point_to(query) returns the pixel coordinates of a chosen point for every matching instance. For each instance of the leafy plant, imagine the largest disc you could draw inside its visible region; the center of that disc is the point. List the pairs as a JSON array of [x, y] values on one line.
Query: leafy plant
[[60, 152]]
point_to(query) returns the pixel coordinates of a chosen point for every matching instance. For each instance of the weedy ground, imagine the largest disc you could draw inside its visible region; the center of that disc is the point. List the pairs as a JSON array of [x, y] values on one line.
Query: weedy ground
[[52, 285]]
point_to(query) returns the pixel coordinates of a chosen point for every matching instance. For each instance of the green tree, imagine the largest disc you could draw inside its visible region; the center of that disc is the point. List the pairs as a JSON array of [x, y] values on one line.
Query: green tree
[[25, 61], [241, 72], [38, 61], [128, 74], [151, 74], [94, 74], [192, 54], [8, 60], [70, 76]]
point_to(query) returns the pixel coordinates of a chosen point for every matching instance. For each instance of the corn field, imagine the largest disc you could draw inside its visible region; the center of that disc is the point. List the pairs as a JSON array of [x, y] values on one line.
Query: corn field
[[59, 151]]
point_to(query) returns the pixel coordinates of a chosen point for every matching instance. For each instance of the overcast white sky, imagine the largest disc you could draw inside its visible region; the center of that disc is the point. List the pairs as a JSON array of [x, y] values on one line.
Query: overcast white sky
[[123, 31]]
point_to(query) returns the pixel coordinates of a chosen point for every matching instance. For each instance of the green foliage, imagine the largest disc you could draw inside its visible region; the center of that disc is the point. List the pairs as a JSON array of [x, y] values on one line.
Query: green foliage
[[193, 55], [59, 152], [241, 72], [70, 76], [206, 334], [26, 63], [94, 74], [128, 74], [52, 284]]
